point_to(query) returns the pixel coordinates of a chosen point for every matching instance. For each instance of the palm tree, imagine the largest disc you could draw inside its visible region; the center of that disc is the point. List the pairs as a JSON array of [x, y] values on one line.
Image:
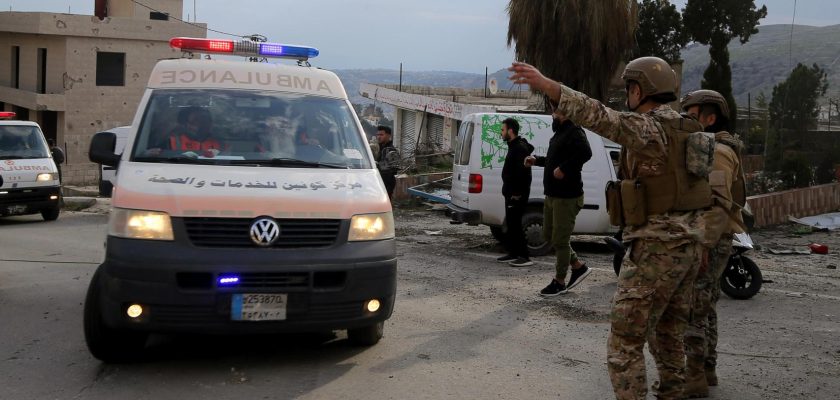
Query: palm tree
[[578, 42]]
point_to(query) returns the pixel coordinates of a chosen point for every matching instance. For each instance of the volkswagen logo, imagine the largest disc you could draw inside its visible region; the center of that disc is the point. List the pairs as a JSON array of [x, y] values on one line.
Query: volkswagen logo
[[265, 231]]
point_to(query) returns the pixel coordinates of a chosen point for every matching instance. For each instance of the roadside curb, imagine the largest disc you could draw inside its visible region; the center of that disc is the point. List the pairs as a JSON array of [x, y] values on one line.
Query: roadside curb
[[75, 203]]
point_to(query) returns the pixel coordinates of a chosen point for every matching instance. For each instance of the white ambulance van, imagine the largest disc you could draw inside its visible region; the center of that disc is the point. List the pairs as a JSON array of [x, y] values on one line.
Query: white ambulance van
[[246, 201], [29, 179], [477, 177]]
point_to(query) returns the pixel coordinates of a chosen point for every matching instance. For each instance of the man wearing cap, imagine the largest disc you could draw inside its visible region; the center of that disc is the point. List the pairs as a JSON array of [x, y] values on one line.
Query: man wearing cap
[[727, 181], [660, 207]]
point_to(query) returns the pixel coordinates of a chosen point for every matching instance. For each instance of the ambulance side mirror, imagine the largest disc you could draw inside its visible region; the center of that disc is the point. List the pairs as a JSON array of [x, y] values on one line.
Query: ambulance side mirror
[[57, 154], [102, 149]]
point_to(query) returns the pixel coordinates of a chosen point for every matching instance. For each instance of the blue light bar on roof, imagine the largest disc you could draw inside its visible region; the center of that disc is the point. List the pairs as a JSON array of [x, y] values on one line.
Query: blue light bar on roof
[[280, 50]]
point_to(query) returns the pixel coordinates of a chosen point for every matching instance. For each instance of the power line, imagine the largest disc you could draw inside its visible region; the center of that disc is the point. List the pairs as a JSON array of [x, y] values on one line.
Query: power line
[[190, 23]]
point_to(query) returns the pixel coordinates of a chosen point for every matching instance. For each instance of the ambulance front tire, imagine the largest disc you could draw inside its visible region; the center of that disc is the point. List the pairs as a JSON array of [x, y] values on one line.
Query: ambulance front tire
[[51, 214], [105, 343], [105, 188], [366, 335]]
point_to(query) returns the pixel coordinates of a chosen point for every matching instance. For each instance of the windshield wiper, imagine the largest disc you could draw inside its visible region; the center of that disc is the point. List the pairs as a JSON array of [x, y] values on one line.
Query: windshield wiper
[[283, 162], [175, 160]]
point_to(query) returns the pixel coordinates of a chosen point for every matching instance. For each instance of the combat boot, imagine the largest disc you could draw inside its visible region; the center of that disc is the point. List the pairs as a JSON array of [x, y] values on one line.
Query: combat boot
[[711, 376], [696, 386], [695, 378]]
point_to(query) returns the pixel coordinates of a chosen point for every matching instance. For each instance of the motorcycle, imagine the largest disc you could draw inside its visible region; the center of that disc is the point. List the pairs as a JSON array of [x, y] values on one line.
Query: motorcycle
[[741, 278]]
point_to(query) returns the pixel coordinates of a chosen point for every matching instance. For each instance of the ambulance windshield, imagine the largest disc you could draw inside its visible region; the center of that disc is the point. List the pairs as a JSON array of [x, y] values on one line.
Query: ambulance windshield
[[245, 127], [21, 142]]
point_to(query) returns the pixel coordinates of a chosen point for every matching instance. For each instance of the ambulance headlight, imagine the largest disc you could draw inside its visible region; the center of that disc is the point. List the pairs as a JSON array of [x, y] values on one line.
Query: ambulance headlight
[[140, 224], [371, 227], [47, 177]]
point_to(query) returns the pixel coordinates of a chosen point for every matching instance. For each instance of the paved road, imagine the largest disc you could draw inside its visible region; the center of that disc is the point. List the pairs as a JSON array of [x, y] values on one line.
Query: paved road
[[464, 327]]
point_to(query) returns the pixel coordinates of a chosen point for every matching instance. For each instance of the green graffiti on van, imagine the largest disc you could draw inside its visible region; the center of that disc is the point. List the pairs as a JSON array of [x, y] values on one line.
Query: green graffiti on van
[[493, 148]]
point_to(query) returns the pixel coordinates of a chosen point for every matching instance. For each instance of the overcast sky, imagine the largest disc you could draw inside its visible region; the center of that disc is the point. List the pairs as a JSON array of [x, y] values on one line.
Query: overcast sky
[[453, 35]]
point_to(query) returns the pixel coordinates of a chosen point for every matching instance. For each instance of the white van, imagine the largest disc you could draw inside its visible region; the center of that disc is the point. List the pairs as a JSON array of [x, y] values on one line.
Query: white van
[[108, 174], [476, 195], [29, 178], [247, 201]]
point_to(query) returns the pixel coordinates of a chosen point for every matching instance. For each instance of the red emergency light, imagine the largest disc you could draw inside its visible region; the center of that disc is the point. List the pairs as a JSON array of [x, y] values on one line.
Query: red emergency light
[[7, 115], [245, 48], [207, 45]]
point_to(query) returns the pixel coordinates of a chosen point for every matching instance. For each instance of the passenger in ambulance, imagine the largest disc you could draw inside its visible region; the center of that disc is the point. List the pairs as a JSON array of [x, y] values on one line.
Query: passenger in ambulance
[[194, 133], [276, 137]]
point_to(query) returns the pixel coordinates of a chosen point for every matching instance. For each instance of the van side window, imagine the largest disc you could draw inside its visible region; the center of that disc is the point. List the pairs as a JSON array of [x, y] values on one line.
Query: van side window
[[465, 141], [615, 155]]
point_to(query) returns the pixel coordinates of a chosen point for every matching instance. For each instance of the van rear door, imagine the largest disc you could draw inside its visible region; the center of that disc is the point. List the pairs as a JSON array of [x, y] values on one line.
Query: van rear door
[[461, 168]]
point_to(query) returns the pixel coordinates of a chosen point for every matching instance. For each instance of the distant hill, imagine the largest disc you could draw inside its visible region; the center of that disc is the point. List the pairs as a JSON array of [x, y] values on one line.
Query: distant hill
[[351, 78], [764, 61], [757, 66]]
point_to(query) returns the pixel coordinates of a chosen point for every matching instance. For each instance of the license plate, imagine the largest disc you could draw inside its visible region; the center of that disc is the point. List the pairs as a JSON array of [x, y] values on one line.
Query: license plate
[[258, 307], [18, 209]]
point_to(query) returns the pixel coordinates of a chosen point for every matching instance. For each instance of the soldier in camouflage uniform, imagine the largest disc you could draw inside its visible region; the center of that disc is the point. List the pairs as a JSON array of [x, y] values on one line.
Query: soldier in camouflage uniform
[[388, 160], [654, 289], [727, 181]]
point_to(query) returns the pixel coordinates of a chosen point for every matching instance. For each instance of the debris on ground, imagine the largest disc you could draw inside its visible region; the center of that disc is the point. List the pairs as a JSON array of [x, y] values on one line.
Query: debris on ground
[[830, 221], [817, 248], [786, 251], [433, 233]]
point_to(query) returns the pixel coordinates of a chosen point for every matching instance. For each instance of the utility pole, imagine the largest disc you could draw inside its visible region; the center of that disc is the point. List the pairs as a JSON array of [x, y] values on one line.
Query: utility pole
[[749, 121]]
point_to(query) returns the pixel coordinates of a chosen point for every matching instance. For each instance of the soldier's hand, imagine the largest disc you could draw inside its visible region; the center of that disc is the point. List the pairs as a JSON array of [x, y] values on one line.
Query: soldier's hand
[[527, 74], [530, 161], [558, 173]]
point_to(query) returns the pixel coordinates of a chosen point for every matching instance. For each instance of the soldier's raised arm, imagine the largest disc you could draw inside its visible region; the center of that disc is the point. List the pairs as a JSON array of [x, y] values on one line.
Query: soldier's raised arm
[[629, 129]]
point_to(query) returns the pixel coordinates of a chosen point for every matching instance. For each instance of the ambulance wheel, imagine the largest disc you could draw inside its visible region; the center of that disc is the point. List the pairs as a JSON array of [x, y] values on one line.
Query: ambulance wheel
[[105, 343], [51, 214], [105, 188], [498, 233], [366, 335], [532, 224]]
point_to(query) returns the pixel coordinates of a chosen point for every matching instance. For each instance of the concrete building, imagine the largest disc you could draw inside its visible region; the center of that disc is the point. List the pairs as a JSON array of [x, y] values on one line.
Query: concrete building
[[76, 75]]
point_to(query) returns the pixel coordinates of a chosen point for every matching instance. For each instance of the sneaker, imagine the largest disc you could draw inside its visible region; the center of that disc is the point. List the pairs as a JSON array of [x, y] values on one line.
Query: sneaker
[[506, 258], [578, 275], [553, 289], [521, 262]]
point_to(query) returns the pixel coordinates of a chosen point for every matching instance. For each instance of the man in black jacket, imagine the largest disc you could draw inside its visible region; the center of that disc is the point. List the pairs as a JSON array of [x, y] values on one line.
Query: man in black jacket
[[516, 187], [568, 150]]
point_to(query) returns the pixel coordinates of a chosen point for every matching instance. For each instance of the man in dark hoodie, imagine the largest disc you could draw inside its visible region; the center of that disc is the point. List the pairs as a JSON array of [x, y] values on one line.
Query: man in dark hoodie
[[568, 150], [516, 187]]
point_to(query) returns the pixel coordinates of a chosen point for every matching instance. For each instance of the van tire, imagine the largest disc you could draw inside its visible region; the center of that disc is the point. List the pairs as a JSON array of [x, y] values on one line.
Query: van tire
[[105, 188], [51, 214], [498, 233], [105, 343], [366, 335], [532, 224]]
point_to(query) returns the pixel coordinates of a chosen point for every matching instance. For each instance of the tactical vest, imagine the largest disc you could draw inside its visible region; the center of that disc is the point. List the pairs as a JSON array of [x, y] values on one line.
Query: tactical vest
[[678, 189], [739, 190]]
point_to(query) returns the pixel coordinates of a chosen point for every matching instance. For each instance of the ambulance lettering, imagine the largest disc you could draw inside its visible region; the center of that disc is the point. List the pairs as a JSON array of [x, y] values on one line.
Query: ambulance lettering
[[11, 168], [244, 78]]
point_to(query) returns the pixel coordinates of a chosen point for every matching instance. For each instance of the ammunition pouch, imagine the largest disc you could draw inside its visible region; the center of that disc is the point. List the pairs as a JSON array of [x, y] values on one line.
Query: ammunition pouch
[[613, 196], [634, 202]]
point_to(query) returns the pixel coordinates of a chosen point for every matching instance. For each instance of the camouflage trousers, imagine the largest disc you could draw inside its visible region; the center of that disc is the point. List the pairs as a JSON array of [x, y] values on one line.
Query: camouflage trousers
[[701, 334], [652, 304]]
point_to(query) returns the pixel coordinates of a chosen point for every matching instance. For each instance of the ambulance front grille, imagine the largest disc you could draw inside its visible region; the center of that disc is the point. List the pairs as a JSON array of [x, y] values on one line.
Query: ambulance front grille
[[235, 232]]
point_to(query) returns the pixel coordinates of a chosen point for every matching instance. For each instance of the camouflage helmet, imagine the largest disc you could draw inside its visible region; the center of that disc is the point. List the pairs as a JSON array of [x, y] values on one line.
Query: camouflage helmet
[[705, 96], [654, 75]]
